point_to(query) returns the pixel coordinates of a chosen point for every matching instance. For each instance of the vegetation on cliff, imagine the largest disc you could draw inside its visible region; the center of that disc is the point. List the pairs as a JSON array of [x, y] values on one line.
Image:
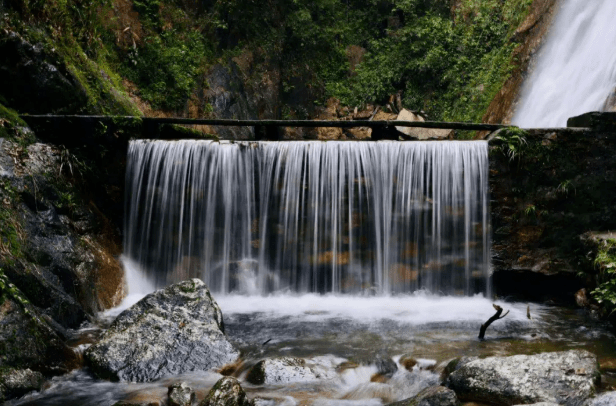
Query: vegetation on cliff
[[444, 57]]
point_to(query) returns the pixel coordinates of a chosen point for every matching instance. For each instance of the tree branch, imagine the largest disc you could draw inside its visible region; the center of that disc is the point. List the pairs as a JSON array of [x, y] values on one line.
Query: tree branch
[[497, 316]]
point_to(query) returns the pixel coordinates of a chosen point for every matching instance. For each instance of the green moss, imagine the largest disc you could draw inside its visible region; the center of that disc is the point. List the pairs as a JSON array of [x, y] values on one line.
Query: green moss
[[10, 291], [104, 88], [14, 128]]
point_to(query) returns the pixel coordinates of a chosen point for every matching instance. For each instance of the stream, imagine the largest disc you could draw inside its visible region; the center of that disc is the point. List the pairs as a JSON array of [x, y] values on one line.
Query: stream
[[343, 336]]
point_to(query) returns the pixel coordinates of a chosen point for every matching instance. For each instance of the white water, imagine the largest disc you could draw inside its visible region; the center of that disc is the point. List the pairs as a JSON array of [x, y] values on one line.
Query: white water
[[576, 70], [341, 217], [415, 309]]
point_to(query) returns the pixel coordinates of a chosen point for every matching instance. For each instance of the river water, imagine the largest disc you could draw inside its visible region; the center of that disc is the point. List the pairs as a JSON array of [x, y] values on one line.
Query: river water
[[343, 336]]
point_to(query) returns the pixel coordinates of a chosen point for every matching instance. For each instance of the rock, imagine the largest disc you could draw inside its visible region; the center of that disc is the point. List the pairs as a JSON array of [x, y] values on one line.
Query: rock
[[226, 392], [604, 399], [448, 367], [431, 396], [581, 298], [567, 378], [386, 366], [17, 382], [408, 362], [181, 394], [421, 133], [64, 271], [281, 371], [603, 121], [171, 331], [26, 339], [34, 81]]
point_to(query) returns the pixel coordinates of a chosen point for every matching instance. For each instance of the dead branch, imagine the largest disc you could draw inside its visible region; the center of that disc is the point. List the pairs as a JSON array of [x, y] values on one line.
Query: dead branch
[[497, 316]]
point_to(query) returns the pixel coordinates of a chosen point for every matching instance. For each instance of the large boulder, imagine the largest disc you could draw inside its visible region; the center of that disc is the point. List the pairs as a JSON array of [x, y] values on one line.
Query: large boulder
[[566, 378], [171, 331], [431, 396]]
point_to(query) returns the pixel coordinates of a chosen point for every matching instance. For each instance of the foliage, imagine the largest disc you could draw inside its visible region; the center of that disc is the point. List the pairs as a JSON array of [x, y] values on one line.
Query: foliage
[[72, 33], [166, 67], [605, 260], [449, 62], [511, 141], [449, 66]]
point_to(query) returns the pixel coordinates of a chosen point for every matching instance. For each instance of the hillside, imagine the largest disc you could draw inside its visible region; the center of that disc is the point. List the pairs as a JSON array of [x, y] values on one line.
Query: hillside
[[270, 59]]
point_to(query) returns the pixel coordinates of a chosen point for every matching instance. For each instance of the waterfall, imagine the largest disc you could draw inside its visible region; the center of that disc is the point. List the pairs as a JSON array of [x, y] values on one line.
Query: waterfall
[[341, 217], [576, 69]]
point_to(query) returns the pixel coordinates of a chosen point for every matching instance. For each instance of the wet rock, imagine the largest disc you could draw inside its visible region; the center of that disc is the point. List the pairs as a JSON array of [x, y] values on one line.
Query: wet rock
[[431, 396], [181, 394], [567, 378], [448, 367], [280, 371], [408, 362], [17, 382], [26, 339], [226, 392], [604, 399], [62, 270], [171, 331], [386, 366]]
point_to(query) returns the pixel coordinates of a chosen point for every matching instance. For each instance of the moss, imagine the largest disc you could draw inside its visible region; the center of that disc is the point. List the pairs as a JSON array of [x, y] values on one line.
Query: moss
[[11, 292], [104, 88]]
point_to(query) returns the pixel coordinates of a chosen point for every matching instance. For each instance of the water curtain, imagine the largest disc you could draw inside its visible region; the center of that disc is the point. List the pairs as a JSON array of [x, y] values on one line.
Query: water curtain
[[342, 217]]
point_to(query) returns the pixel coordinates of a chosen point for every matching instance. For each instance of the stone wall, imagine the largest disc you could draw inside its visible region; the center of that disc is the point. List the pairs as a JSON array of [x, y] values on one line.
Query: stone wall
[[557, 185]]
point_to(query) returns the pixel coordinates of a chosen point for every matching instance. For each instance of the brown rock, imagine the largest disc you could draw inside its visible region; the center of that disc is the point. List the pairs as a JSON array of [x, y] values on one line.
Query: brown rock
[[581, 298], [408, 362], [421, 133]]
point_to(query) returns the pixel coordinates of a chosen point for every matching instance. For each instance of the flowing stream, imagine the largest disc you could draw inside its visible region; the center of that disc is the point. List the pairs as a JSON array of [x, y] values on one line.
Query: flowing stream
[[576, 69]]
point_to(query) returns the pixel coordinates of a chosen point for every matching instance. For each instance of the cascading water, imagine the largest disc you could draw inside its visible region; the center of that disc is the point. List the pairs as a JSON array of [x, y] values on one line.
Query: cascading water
[[576, 71], [341, 217]]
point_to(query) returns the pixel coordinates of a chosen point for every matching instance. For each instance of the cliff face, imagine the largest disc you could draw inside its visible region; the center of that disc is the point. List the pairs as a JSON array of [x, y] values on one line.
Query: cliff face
[[529, 35]]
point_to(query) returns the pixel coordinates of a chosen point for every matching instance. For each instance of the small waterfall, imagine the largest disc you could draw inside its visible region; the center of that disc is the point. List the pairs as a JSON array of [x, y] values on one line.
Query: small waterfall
[[576, 70], [341, 217]]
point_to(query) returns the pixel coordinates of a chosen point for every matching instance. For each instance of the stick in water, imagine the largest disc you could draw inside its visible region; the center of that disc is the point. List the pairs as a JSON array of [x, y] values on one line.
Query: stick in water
[[497, 316]]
